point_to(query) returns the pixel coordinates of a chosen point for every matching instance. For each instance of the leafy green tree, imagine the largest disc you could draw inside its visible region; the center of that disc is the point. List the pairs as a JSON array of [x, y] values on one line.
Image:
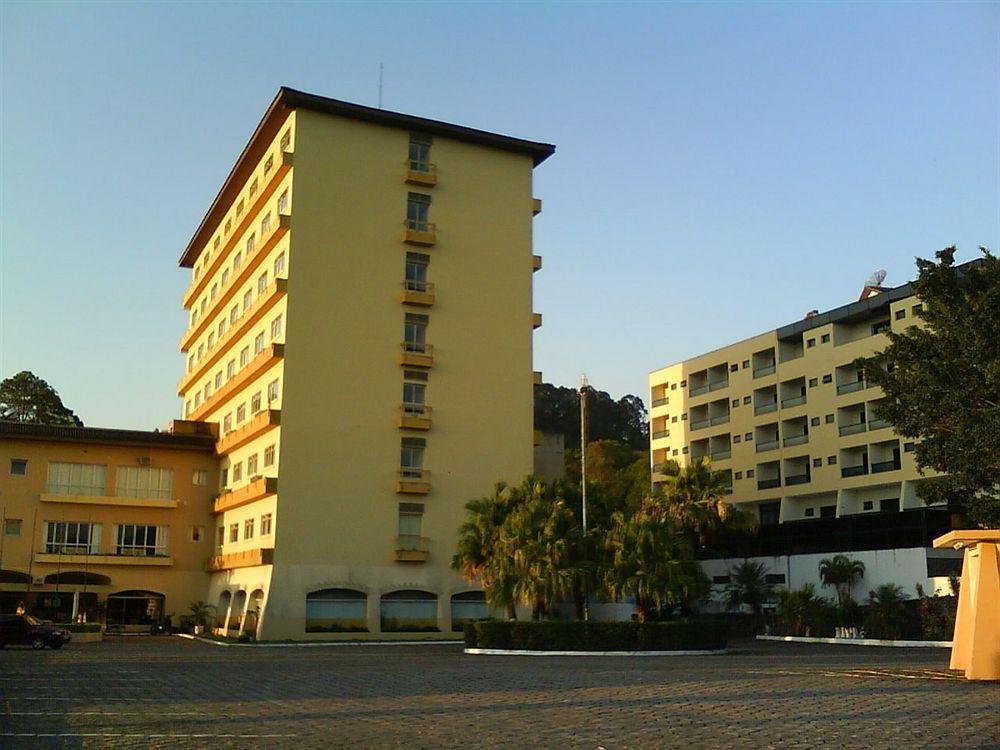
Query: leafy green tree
[[800, 611], [942, 382], [887, 615], [694, 497], [841, 572], [748, 585], [557, 409], [25, 397]]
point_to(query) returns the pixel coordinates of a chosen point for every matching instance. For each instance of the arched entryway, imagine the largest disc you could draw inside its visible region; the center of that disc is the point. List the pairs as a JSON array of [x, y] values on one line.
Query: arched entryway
[[134, 609], [409, 611], [336, 611], [236, 616], [255, 607], [222, 609]]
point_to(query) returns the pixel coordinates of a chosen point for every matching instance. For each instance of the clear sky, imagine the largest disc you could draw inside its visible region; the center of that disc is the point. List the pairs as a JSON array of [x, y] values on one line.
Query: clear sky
[[721, 168]]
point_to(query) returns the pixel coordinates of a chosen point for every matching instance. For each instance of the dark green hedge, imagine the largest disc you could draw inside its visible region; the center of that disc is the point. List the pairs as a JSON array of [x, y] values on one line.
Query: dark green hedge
[[598, 636]]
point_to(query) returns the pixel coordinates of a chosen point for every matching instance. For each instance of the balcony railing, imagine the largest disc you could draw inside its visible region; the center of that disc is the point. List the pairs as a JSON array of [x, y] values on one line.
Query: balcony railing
[[795, 440], [660, 401], [720, 455], [718, 385], [857, 385], [881, 466], [416, 353], [765, 408], [769, 445], [660, 434], [697, 391], [417, 292], [701, 424], [420, 172], [721, 419], [853, 471], [853, 429], [794, 401], [413, 480], [412, 548], [414, 416], [797, 479], [768, 484], [877, 424], [760, 372], [419, 232]]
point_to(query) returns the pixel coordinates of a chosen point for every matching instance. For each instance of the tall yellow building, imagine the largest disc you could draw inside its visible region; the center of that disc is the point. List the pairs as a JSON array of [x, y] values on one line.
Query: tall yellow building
[[361, 332], [790, 419]]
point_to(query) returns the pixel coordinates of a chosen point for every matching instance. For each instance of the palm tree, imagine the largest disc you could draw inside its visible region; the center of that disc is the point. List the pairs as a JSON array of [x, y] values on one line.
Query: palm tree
[[694, 496], [201, 613], [748, 585], [887, 616], [841, 572]]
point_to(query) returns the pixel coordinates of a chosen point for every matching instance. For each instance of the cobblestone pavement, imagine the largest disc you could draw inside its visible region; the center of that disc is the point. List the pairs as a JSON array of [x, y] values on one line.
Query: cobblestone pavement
[[162, 692]]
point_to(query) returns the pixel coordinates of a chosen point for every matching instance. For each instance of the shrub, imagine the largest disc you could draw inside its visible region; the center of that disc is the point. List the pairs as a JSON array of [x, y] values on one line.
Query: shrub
[[937, 613], [598, 636], [801, 612]]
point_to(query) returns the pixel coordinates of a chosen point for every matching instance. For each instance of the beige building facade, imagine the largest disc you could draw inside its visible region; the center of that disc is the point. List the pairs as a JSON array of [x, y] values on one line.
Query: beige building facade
[[105, 525], [361, 334]]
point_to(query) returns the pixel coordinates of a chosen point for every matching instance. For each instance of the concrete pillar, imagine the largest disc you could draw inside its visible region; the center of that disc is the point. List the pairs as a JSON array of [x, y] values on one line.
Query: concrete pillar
[[444, 613], [374, 613]]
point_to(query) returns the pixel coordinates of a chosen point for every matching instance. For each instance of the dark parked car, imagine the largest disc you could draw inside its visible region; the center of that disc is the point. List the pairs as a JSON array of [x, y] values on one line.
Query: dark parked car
[[25, 630]]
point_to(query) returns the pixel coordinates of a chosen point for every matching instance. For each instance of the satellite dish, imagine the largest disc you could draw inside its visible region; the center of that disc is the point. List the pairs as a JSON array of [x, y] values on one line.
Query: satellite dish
[[876, 278]]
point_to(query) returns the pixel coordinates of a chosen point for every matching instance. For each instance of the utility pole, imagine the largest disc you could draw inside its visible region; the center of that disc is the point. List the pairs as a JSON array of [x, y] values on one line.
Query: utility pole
[[584, 389]]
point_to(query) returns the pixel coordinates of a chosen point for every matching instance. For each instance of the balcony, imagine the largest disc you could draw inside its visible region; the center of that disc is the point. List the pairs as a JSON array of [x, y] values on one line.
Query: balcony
[[257, 426], [70, 555], [718, 385], [880, 467], [787, 403], [255, 490], [122, 502], [253, 211], [797, 479], [419, 232], [411, 548], [701, 424], [768, 484], [260, 364], [877, 424], [536, 263], [697, 391], [660, 434], [416, 354], [721, 419], [536, 321], [853, 471], [660, 402], [413, 481], [768, 446], [414, 417], [536, 206], [857, 385], [720, 455], [417, 293], [795, 440], [765, 408], [246, 559], [852, 429], [762, 371], [420, 173]]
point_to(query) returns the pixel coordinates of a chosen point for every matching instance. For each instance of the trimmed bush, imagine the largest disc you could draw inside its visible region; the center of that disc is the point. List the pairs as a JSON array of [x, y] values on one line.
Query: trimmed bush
[[680, 635]]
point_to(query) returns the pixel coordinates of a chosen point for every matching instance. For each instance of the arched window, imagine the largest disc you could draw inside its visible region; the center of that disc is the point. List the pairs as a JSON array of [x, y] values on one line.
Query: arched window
[[336, 611], [409, 611], [467, 607]]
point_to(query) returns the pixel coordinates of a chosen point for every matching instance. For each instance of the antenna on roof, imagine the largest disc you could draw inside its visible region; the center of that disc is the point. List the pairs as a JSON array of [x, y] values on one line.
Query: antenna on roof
[[380, 69], [876, 278]]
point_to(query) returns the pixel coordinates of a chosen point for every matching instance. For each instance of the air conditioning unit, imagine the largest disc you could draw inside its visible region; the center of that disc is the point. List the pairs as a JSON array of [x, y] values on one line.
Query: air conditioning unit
[[144, 461]]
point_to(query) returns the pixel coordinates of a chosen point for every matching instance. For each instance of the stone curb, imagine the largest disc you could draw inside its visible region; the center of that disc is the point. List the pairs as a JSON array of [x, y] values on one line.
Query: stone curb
[[316, 644], [855, 641], [520, 652]]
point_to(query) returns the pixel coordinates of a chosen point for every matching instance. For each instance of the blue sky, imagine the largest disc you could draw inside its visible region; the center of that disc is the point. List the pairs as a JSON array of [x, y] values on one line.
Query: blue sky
[[721, 168]]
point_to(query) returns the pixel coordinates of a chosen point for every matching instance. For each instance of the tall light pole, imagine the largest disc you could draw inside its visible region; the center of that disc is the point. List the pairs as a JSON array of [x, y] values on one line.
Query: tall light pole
[[584, 389]]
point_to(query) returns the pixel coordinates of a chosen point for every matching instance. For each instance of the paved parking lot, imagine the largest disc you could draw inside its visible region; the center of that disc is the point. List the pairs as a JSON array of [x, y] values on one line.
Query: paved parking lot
[[175, 693]]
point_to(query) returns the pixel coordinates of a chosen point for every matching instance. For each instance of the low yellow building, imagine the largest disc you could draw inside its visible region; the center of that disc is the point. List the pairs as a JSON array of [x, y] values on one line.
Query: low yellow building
[[360, 330], [110, 525]]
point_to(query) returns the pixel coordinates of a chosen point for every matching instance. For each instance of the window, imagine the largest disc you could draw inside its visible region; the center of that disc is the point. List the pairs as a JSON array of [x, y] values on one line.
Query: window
[[279, 264], [239, 208], [410, 521], [414, 393], [828, 511], [201, 307], [272, 391], [231, 369], [736, 402], [244, 356], [247, 299], [262, 283], [813, 382], [828, 378], [881, 327], [738, 475], [416, 271], [868, 505], [197, 399], [214, 291], [241, 415], [251, 244], [770, 513], [810, 343], [283, 203], [420, 153], [234, 315], [684, 384], [221, 328], [269, 164], [411, 458], [187, 409], [224, 477], [831, 460], [909, 447], [673, 419], [75, 479], [828, 419], [196, 533], [218, 380], [237, 261], [227, 424], [144, 481], [746, 363], [220, 536], [215, 245], [675, 451], [734, 368], [199, 477], [747, 400], [190, 363], [248, 529], [252, 466], [748, 437], [917, 309], [253, 188], [237, 471], [234, 532], [208, 390], [201, 352], [141, 541], [72, 538], [900, 314], [810, 512], [276, 328], [225, 276], [750, 473], [814, 421], [737, 439], [415, 332], [673, 386], [229, 226], [417, 210], [19, 467], [12, 527], [269, 456], [265, 524], [684, 450], [286, 140], [265, 224], [817, 462], [825, 338], [255, 403]]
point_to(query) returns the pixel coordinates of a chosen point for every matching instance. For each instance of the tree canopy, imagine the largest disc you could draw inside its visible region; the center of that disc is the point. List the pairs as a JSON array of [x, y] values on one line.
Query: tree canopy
[[557, 409], [942, 382], [25, 397]]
